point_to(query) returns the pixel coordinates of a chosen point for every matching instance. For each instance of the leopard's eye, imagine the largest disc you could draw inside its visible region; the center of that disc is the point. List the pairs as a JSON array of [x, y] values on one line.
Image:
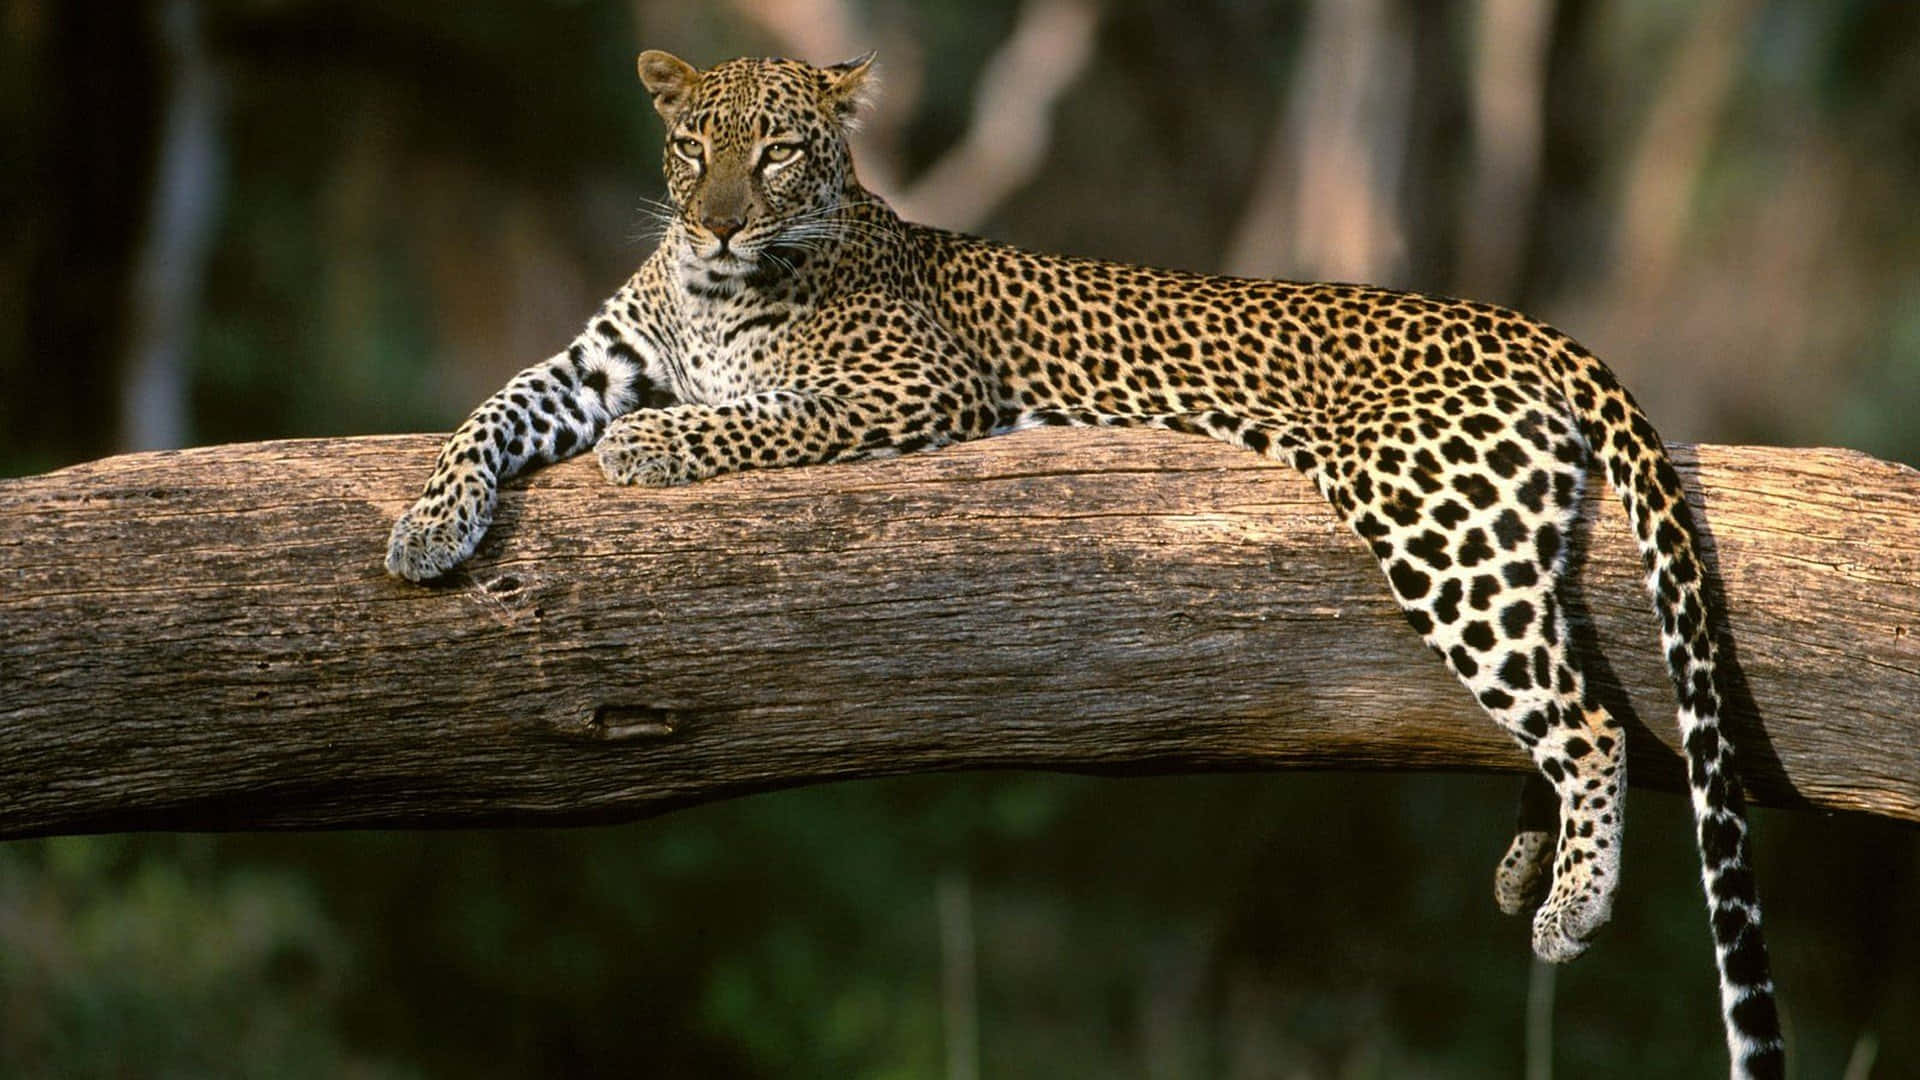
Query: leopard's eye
[[779, 152], [689, 148]]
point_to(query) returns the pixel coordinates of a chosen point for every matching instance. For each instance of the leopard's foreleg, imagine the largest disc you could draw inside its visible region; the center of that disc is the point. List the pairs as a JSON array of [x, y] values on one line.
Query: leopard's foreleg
[[915, 389], [546, 413]]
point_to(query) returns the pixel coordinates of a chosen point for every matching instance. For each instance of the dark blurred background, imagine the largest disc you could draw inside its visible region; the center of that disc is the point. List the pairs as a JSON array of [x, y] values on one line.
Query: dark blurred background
[[246, 219]]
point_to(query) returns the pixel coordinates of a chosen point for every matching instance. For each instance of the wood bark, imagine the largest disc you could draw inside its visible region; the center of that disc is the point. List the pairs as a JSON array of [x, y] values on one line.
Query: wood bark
[[206, 639]]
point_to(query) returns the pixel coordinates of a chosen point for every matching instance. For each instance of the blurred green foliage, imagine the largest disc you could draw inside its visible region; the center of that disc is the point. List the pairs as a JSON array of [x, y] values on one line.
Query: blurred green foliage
[[159, 957], [422, 198], [1321, 925]]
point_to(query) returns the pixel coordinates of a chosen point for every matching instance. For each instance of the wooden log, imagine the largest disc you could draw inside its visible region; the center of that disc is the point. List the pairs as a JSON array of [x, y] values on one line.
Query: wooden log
[[206, 639]]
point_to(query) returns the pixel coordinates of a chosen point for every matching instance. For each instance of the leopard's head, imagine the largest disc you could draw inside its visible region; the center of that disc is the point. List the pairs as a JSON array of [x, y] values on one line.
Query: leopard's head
[[756, 157]]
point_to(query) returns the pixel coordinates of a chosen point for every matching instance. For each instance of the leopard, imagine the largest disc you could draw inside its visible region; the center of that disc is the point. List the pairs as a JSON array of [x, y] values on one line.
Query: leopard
[[788, 316]]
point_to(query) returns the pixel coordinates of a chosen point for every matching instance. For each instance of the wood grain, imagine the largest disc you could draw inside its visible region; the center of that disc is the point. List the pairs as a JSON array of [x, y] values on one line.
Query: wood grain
[[206, 639]]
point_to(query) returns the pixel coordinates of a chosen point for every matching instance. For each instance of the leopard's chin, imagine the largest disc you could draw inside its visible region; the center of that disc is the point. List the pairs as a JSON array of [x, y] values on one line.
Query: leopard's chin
[[724, 263], [718, 276], [726, 272]]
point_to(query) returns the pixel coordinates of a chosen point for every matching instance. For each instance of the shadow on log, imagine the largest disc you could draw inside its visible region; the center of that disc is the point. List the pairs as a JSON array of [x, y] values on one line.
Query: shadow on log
[[205, 639]]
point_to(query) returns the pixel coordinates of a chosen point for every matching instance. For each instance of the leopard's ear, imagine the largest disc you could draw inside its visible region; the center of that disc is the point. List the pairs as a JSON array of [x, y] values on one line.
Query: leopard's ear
[[849, 88], [669, 79]]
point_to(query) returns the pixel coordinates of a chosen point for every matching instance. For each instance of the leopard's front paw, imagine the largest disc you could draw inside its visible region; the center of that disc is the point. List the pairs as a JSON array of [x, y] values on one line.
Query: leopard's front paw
[[633, 452], [431, 539]]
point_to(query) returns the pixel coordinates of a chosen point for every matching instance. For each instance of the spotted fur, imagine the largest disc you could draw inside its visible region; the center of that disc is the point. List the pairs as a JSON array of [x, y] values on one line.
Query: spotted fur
[[789, 317]]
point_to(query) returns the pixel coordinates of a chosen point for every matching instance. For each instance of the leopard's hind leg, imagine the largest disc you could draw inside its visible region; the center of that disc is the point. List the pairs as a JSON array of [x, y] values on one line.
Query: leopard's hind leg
[[1474, 548], [1525, 871], [1474, 551]]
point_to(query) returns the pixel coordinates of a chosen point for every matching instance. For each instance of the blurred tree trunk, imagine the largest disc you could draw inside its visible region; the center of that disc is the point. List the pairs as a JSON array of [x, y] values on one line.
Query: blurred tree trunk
[[1325, 203], [1012, 124], [172, 263], [1659, 314], [1509, 91], [959, 989], [1664, 167], [1435, 183], [86, 155], [206, 638]]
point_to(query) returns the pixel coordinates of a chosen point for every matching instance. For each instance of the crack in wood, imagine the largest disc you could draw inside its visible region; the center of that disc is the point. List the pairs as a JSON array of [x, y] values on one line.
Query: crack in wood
[[627, 723]]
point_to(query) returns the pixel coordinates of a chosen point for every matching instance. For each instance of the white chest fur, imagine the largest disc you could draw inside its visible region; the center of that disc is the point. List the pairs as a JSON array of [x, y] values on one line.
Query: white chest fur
[[728, 347]]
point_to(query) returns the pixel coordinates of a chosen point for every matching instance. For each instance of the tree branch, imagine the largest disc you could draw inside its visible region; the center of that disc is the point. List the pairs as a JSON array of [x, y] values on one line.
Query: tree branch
[[205, 639]]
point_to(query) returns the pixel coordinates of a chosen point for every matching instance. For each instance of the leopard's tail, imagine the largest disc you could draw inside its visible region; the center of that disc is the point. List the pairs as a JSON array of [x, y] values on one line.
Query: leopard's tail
[[1642, 475]]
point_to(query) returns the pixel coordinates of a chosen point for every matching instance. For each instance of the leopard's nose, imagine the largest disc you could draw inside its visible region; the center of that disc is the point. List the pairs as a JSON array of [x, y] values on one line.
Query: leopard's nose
[[723, 228]]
